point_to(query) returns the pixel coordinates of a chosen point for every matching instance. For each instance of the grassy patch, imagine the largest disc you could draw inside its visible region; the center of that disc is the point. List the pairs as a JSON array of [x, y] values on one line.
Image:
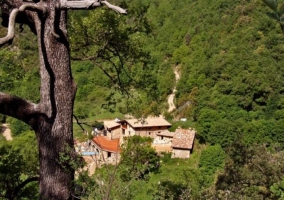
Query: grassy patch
[[79, 133], [181, 124]]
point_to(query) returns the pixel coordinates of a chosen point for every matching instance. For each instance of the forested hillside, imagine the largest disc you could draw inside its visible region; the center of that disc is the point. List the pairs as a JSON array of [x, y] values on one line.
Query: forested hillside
[[230, 55], [232, 72]]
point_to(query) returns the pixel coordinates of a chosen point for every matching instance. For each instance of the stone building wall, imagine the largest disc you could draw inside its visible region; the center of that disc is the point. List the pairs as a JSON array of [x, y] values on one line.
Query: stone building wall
[[180, 153]]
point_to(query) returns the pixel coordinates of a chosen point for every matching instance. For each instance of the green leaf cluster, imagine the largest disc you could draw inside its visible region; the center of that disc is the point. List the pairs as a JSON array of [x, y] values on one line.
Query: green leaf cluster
[[278, 11], [19, 163], [212, 159], [252, 172], [138, 158]]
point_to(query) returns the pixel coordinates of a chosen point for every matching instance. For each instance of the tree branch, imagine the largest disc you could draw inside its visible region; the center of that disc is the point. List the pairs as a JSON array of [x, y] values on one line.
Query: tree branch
[[12, 19], [89, 4], [23, 184], [11, 28], [32, 7], [84, 4], [80, 123], [17, 107], [115, 8]]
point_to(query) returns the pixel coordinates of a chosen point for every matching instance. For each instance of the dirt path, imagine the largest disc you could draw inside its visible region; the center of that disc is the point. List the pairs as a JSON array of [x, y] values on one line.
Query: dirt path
[[172, 96], [7, 132], [177, 74]]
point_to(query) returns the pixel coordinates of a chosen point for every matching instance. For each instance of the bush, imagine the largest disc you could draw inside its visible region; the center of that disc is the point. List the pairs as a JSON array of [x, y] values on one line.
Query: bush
[[17, 127], [212, 159]]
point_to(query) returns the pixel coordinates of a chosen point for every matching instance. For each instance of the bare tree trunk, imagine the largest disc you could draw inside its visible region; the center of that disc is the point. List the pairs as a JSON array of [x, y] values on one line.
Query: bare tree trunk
[[54, 129], [51, 119]]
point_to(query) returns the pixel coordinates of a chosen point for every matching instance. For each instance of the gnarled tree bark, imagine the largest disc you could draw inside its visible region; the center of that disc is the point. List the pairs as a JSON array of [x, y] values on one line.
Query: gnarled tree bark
[[51, 118]]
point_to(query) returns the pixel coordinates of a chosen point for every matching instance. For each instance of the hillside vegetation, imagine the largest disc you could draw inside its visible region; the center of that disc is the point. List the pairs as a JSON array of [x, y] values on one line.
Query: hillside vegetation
[[230, 55]]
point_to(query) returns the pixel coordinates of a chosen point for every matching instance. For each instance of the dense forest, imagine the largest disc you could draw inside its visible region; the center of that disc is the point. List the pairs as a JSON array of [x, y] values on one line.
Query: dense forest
[[229, 55]]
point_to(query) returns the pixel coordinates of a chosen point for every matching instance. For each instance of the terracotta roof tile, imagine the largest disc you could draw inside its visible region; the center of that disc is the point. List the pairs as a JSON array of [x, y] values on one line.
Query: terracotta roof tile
[[183, 138], [106, 144]]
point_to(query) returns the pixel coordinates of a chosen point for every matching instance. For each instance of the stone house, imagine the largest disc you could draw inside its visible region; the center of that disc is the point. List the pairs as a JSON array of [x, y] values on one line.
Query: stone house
[[149, 127], [164, 137], [182, 143], [107, 150], [107, 146], [112, 129]]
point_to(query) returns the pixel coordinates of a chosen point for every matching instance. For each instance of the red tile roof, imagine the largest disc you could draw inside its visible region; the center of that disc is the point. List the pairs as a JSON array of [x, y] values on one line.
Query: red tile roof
[[183, 138], [106, 144]]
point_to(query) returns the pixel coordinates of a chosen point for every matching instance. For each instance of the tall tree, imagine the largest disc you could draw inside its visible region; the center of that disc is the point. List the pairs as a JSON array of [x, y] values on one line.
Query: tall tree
[[138, 158], [51, 118]]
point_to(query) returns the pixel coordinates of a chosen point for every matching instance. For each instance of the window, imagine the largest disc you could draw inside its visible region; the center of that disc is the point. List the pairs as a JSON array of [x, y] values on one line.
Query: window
[[108, 154]]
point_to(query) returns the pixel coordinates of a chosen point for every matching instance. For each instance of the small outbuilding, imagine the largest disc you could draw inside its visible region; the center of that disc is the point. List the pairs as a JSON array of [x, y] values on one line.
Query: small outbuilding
[[183, 142], [112, 129]]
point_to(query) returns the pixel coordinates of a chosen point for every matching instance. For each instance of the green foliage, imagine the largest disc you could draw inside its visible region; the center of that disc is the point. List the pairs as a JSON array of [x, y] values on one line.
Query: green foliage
[[271, 4], [118, 62], [251, 171], [278, 11], [112, 45], [193, 176], [12, 168], [230, 55], [179, 181], [27, 144], [10, 70], [171, 190], [19, 67], [70, 160], [97, 124], [2, 118], [104, 184], [138, 158], [278, 190], [182, 124], [18, 164], [230, 58], [17, 127], [212, 159]]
